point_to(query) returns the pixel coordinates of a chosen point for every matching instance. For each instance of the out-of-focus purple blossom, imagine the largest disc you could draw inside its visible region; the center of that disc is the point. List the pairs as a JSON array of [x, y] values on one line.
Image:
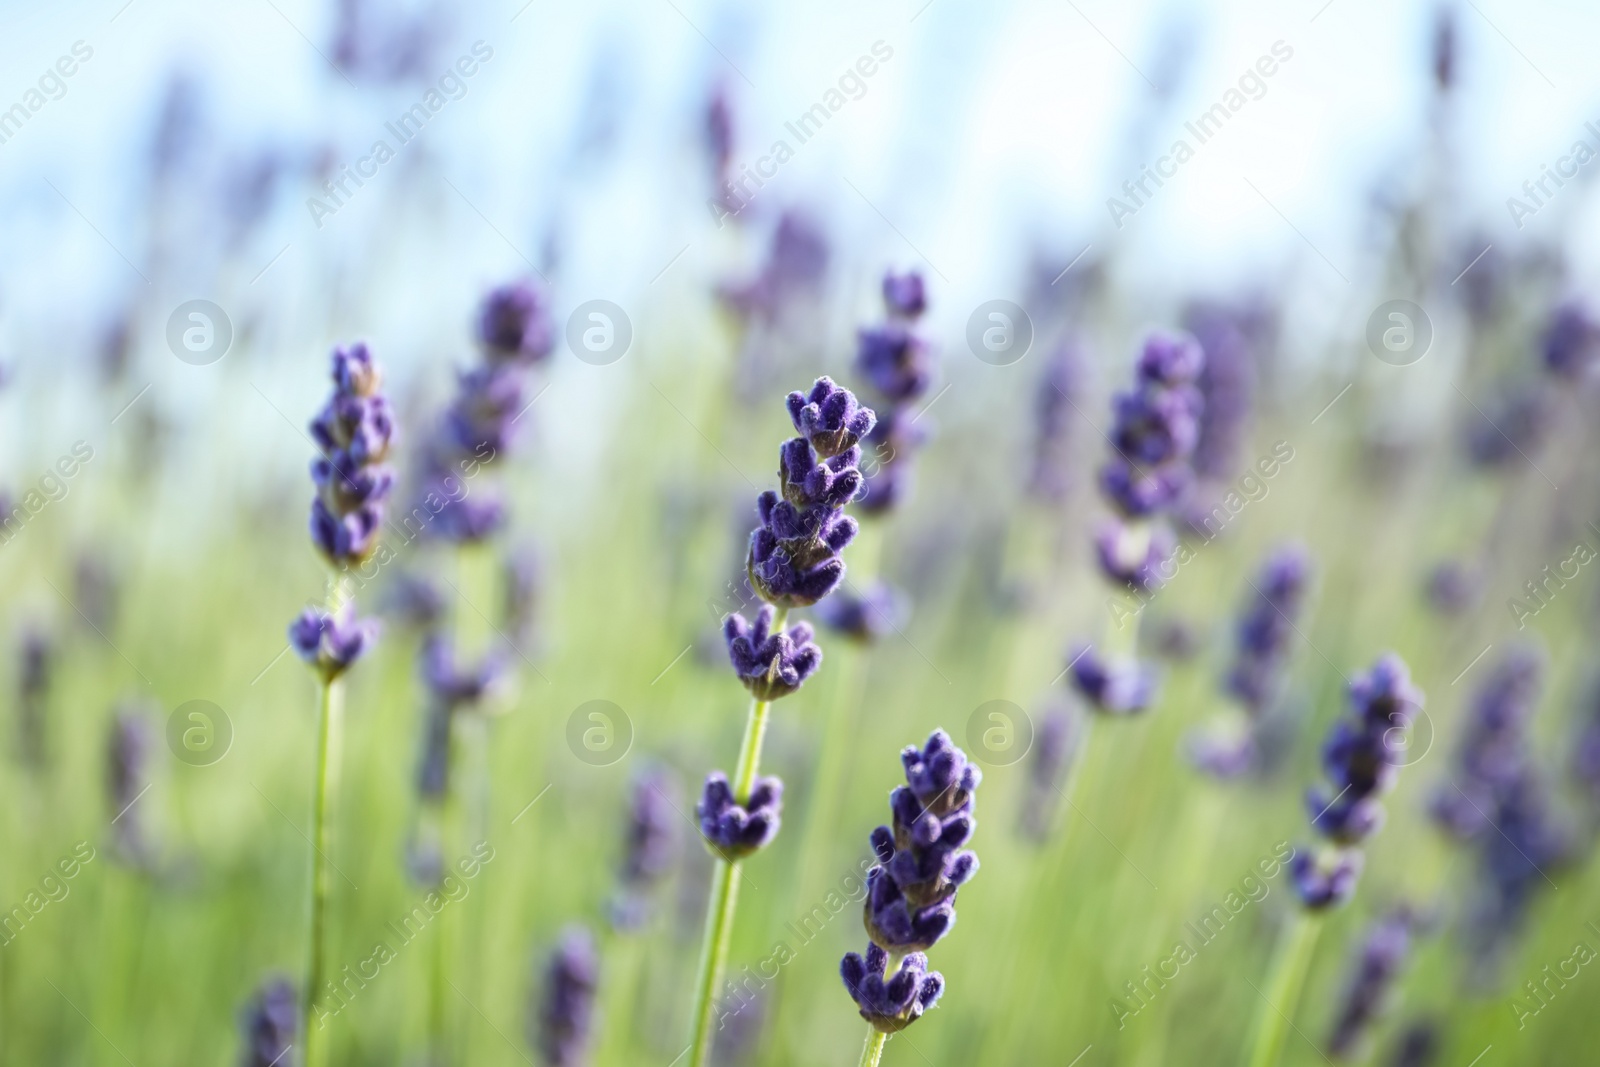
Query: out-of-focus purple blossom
[[1174, 639], [1362, 759], [1155, 427], [1493, 754], [1226, 756], [921, 862], [270, 1024], [1454, 587], [1054, 748], [1227, 388], [1586, 753], [1515, 865], [904, 295], [876, 613], [1417, 1045], [562, 1028], [414, 601], [1267, 627], [892, 1005], [454, 684], [794, 554], [895, 360], [514, 324], [354, 431], [719, 133], [331, 641], [734, 830], [433, 761], [1134, 556], [1445, 50], [771, 663], [127, 771], [887, 465], [1571, 342], [36, 655], [650, 845], [796, 267], [738, 1035], [1509, 427], [1371, 978], [1054, 416], [1112, 688]]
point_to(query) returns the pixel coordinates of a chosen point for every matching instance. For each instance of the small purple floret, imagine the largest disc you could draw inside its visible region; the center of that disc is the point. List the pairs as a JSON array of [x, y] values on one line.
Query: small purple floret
[[331, 642], [894, 1004], [733, 830]]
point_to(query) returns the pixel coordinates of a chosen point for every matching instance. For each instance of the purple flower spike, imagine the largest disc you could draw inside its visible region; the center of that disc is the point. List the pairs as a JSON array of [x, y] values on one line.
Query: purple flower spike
[[1113, 688], [892, 1005], [1326, 882], [921, 862], [733, 830], [1155, 429], [454, 685], [895, 360], [771, 665], [1267, 627], [904, 295], [354, 432], [830, 418], [1367, 990], [331, 642], [1571, 343], [1133, 558], [650, 845], [1171, 359], [564, 1026], [270, 1024], [514, 324]]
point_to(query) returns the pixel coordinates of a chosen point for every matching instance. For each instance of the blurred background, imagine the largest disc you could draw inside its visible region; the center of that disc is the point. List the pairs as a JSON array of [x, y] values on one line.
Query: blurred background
[[196, 210]]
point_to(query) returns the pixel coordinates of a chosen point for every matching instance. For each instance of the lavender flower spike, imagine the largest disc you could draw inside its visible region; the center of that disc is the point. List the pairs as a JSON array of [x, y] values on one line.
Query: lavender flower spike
[[650, 848], [1376, 967], [564, 1025], [771, 665], [733, 830], [890, 1006], [269, 1024], [331, 641], [354, 432], [1112, 688]]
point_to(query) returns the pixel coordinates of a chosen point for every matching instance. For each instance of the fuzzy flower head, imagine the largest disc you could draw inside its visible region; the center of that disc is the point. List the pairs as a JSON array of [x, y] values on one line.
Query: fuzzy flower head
[[514, 324], [354, 432], [1572, 342], [895, 360], [890, 1005], [1112, 688], [1327, 880], [454, 684], [1155, 428], [770, 664], [331, 641], [1139, 558], [867, 618], [905, 296], [794, 554], [734, 830], [921, 862], [829, 418], [564, 1025], [1493, 755]]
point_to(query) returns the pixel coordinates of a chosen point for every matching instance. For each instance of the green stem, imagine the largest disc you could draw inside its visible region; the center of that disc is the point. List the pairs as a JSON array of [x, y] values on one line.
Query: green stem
[[1293, 959], [872, 1052], [714, 955], [328, 741]]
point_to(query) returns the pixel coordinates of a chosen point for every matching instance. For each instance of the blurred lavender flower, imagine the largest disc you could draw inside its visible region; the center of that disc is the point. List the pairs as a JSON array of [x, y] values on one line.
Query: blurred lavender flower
[[332, 641], [1371, 979], [270, 1023], [1054, 748], [1454, 587], [453, 684], [1227, 388], [1362, 758], [564, 1025], [1571, 342], [415, 601], [877, 612], [37, 656], [1417, 1045], [1134, 556], [1054, 416], [904, 295], [651, 846], [794, 554], [1444, 48], [1174, 639], [1514, 866], [1586, 752], [770, 664], [796, 267], [921, 863], [1493, 754], [733, 830], [1155, 428], [354, 432], [1112, 688], [739, 1031], [95, 591], [1267, 627], [127, 771], [898, 363], [1510, 426], [514, 325], [719, 146], [890, 1006]]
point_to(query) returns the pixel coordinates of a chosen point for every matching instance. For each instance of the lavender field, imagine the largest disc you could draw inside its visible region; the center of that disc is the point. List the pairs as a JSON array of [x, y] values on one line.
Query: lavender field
[[689, 533]]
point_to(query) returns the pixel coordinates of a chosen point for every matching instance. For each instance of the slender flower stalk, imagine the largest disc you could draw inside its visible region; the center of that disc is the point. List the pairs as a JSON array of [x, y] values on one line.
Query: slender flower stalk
[[354, 431], [793, 561], [1362, 756]]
